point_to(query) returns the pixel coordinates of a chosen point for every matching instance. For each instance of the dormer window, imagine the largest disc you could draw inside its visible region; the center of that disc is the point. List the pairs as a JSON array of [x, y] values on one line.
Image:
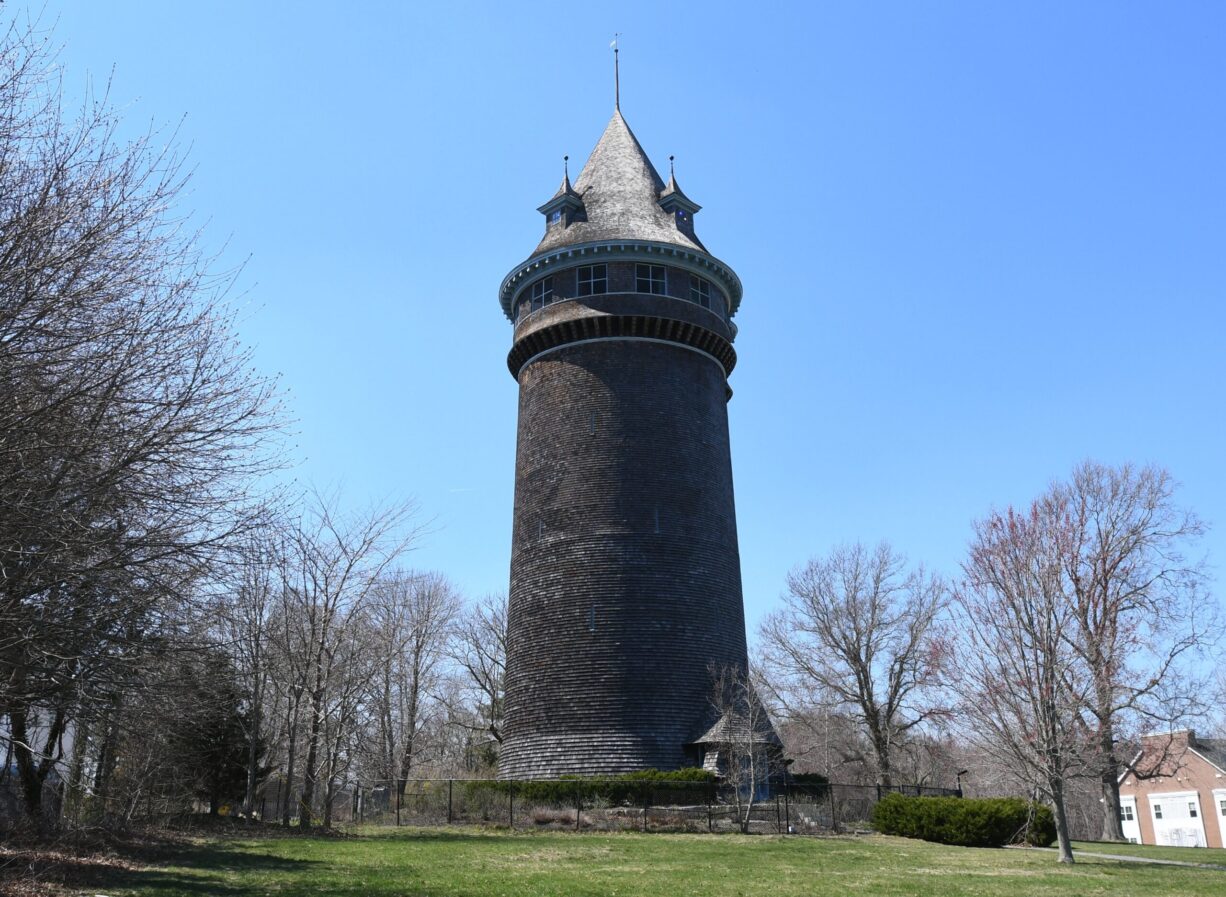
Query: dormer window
[[593, 280], [700, 291], [542, 293], [682, 216], [555, 217]]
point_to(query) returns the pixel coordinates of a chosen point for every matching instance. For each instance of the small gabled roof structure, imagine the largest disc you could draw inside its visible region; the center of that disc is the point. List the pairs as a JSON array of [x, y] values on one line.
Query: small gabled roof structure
[[565, 198], [734, 726], [621, 192], [673, 198]]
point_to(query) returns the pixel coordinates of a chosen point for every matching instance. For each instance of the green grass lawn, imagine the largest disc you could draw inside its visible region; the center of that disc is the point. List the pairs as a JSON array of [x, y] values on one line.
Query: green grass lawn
[[1183, 854], [476, 863]]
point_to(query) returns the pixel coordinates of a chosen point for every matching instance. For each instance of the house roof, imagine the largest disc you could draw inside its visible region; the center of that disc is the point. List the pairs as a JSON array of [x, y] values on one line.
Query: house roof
[[1213, 750], [1161, 754], [620, 190]]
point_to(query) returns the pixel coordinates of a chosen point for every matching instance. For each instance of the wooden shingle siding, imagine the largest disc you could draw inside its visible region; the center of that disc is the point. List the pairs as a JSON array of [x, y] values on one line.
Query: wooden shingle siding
[[630, 691]]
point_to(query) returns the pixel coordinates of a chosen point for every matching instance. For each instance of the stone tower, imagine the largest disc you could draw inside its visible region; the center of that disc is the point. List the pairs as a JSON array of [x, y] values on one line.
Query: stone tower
[[625, 573]]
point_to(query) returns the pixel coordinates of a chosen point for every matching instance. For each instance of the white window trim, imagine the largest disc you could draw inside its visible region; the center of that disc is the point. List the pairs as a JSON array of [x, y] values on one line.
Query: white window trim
[[1131, 827], [1168, 798]]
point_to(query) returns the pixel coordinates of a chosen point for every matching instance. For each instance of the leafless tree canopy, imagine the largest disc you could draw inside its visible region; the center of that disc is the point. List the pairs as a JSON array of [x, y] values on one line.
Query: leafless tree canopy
[[131, 423], [1142, 617], [479, 648], [854, 633], [1019, 682]]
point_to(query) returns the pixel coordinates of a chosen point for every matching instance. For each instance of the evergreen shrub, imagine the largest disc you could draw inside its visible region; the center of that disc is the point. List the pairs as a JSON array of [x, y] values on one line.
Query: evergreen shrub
[[967, 822]]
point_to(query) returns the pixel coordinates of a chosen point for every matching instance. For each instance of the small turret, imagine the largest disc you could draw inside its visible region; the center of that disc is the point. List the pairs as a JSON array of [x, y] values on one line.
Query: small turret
[[676, 203], [564, 205]]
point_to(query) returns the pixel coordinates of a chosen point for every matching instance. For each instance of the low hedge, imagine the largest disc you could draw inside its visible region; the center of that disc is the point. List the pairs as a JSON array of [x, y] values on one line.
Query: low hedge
[[692, 785], [967, 822]]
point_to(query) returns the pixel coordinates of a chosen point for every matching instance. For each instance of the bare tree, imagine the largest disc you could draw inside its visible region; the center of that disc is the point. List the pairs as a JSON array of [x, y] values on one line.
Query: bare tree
[[1139, 605], [856, 627], [1021, 685], [412, 615], [247, 612], [335, 564], [746, 745], [479, 649], [131, 425]]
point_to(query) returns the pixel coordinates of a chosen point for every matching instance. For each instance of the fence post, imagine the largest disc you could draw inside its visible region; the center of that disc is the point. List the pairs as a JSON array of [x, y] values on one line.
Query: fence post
[[450, 782], [399, 791], [787, 808], [578, 805], [878, 792], [710, 802], [646, 804], [778, 821], [511, 804], [834, 819]]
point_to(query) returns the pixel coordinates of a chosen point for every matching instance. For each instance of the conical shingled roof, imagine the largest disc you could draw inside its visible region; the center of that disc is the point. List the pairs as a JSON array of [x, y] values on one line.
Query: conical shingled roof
[[620, 189]]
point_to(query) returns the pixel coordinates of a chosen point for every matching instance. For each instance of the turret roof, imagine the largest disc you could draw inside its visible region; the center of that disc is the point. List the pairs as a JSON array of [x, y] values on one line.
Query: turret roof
[[674, 190], [620, 190], [566, 190]]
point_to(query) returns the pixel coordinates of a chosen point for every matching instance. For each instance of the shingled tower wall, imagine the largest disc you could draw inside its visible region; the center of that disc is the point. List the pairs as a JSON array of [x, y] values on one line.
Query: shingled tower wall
[[625, 573]]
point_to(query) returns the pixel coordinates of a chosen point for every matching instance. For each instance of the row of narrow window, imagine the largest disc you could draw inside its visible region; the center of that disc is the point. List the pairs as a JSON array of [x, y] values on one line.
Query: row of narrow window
[[593, 280], [1126, 814]]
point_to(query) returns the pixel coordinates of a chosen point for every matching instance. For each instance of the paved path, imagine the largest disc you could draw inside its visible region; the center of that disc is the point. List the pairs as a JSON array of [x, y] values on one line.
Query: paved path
[[1129, 858]]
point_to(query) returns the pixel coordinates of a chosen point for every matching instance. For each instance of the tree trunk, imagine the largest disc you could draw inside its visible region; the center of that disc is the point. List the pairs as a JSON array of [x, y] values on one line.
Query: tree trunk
[[291, 756], [881, 747], [253, 751], [74, 793], [1063, 842], [27, 773], [310, 772], [1113, 829]]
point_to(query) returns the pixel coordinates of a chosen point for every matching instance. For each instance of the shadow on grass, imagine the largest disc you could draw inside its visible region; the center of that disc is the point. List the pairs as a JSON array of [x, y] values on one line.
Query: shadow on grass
[[199, 862]]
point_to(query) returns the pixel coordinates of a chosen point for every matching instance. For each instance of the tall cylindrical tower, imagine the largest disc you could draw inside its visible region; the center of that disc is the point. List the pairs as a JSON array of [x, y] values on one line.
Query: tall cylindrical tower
[[625, 574]]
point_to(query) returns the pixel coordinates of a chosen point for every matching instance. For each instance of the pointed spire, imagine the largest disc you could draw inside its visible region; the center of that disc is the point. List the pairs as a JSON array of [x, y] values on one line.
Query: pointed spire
[[621, 193], [672, 198]]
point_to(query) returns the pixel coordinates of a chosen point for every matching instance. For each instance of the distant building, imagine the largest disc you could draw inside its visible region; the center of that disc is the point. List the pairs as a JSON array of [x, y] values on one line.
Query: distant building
[[1174, 792], [625, 572]]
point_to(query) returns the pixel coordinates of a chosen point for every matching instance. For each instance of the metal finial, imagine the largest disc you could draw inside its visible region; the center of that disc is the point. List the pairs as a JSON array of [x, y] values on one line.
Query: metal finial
[[671, 173], [566, 167], [617, 81]]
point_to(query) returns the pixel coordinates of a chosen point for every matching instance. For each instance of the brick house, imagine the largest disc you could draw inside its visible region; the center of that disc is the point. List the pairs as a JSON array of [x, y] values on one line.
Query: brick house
[[1174, 791]]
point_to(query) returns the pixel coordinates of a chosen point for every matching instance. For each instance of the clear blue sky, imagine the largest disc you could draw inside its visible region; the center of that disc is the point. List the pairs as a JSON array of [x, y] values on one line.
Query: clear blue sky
[[979, 241]]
